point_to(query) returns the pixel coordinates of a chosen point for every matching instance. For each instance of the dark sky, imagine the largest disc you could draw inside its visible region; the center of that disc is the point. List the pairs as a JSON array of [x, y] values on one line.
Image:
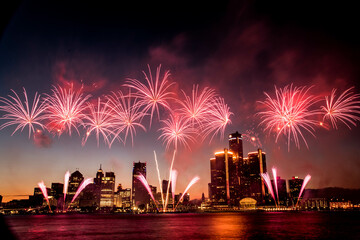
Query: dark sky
[[240, 48]]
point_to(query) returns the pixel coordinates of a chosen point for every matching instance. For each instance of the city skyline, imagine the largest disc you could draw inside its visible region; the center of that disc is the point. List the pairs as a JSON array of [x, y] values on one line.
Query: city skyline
[[239, 55]]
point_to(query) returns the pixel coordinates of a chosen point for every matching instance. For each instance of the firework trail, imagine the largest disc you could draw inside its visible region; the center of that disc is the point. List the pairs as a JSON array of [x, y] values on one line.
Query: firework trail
[[176, 131], [288, 113], [267, 181], [306, 181], [196, 107], [82, 187], [275, 183], [159, 178], [21, 114], [65, 109], [66, 184], [174, 174], [44, 192], [343, 109], [154, 93], [192, 182], [100, 120], [218, 119], [170, 177], [253, 138], [127, 115], [142, 179]]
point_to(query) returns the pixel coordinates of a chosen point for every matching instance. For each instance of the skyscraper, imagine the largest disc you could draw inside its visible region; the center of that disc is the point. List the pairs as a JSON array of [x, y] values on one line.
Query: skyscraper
[[107, 190], [251, 183], [74, 182], [236, 145], [139, 193], [224, 179], [294, 188]]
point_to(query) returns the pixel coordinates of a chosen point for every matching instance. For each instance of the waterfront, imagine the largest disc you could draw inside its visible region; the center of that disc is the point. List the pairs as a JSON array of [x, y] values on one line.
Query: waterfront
[[247, 225]]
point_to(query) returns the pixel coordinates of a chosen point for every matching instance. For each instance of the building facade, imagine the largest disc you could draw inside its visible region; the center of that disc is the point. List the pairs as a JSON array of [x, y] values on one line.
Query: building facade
[[139, 195]]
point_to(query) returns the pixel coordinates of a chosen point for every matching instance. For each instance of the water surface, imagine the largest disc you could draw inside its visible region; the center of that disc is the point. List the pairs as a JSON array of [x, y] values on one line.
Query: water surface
[[249, 225]]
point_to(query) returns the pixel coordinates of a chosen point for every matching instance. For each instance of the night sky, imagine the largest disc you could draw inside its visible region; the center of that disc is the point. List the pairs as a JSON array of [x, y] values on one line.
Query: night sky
[[239, 48]]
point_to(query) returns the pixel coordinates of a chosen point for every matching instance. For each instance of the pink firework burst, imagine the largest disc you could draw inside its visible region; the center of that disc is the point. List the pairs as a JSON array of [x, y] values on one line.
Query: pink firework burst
[[153, 93], [177, 130], [21, 113], [218, 118], [289, 113], [253, 138], [127, 115], [196, 107], [100, 120], [345, 108], [65, 109]]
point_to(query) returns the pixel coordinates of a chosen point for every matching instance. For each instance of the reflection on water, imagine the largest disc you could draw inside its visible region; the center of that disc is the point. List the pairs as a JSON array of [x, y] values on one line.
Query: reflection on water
[[254, 225]]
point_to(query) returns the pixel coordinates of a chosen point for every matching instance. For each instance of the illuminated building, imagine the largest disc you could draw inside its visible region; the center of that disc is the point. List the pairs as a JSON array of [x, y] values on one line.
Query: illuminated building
[[251, 183], [74, 182], [223, 189], [122, 198], [107, 190], [139, 194], [294, 188], [281, 184], [236, 146]]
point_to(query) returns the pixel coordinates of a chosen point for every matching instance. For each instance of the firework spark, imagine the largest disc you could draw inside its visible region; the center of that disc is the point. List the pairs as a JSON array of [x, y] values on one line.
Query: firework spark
[[267, 181], [196, 107], [44, 192], [65, 109], [66, 184], [177, 130], [306, 181], [21, 114], [275, 183], [82, 187], [289, 113], [218, 118], [127, 115], [170, 177], [100, 120], [159, 178], [142, 179], [174, 174], [344, 108], [154, 93], [192, 182]]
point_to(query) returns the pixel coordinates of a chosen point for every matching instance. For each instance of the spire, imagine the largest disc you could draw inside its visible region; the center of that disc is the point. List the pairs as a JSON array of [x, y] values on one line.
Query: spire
[[100, 166]]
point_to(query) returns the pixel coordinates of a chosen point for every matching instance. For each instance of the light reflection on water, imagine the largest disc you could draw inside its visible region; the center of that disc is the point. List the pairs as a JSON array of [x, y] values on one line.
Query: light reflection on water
[[255, 225]]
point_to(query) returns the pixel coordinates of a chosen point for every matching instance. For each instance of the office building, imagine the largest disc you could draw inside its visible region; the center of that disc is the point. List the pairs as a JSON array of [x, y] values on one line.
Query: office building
[[223, 189], [139, 194], [294, 188], [251, 183], [107, 190]]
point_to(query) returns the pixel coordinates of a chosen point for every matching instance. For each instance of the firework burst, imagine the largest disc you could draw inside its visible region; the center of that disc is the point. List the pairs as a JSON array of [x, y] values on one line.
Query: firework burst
[[65, 109], [154, 93], [177, 130], [345, 108], [253, 138], [196, 107], [127, 115], [289, 113], [218, 118], [21, 114], [100, 120]]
